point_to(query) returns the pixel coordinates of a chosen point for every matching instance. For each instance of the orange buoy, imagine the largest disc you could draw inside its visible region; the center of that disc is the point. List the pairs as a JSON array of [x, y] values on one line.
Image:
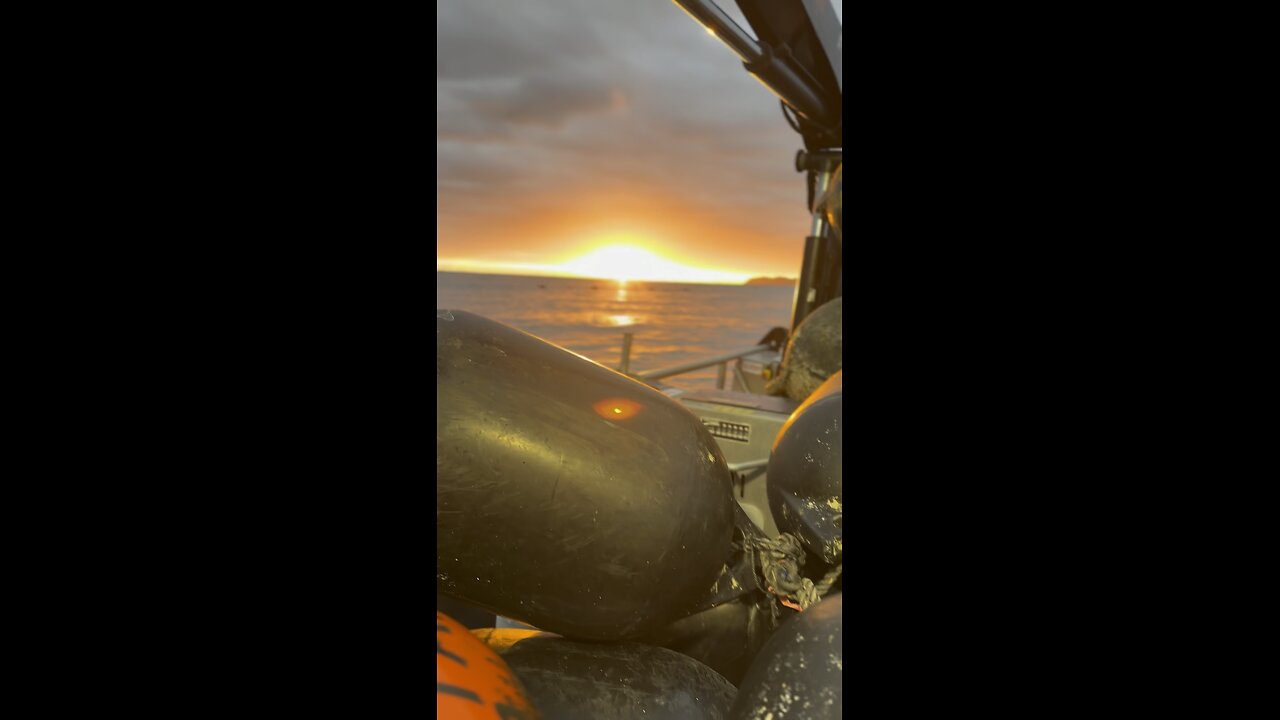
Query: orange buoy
[[472, 682], [500, 640]]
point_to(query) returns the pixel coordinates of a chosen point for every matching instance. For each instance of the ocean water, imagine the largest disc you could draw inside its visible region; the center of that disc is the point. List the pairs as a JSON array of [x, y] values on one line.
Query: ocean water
[[671, 322]]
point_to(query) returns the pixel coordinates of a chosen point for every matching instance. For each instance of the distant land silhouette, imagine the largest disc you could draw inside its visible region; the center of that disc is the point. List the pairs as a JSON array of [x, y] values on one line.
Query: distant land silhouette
[[770, 281]]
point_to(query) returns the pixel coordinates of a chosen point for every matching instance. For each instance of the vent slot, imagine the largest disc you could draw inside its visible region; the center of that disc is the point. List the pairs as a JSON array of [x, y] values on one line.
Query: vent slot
[[728, 430]]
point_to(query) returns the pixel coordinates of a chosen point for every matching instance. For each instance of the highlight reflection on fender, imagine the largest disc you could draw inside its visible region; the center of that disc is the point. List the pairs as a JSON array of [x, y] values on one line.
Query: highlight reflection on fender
[[617, 408]]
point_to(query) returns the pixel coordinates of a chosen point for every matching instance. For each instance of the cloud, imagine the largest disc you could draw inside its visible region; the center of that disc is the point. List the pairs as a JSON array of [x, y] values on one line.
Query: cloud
[[478, 39], [563, 118], [545, 100]]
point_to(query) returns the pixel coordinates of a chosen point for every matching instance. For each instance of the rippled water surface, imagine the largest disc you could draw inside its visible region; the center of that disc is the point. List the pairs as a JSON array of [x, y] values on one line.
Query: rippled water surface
[[672, 322]]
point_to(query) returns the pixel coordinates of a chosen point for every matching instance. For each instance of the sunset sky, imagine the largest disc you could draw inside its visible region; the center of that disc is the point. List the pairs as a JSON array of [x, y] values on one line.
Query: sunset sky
[[608, 138]]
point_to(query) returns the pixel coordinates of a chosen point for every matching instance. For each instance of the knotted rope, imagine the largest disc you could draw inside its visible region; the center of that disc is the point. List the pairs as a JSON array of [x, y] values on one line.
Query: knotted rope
[[779, 562]]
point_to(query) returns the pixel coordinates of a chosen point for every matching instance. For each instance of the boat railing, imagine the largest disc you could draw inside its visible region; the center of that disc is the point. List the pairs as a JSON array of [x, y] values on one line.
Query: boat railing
[[720, 361]]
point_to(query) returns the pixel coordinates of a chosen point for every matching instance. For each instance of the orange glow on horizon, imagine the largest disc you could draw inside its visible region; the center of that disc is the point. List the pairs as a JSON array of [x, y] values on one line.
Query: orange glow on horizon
[[628, 262], [555, 236], [621, 262]]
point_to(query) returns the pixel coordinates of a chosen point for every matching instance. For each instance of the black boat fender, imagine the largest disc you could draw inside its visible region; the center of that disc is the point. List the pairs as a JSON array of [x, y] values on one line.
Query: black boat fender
[[567, 680], [798, 674], [569, 496], [731, 625], [806, 483], [815, 352]]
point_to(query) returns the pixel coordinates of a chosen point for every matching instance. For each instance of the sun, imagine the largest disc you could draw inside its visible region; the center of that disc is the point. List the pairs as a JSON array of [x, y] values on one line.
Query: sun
[[625, 263], [618, 262]]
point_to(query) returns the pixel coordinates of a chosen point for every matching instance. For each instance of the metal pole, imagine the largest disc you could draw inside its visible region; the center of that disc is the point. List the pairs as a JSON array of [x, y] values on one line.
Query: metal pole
[[819, 224], [797, 89], [697, 364], [626, 353], [742, 377], [720, 376], [806, 292], [710, 16]]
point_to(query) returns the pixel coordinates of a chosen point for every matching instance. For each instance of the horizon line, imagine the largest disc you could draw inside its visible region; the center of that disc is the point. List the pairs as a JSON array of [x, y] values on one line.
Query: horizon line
[[612, 280]]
